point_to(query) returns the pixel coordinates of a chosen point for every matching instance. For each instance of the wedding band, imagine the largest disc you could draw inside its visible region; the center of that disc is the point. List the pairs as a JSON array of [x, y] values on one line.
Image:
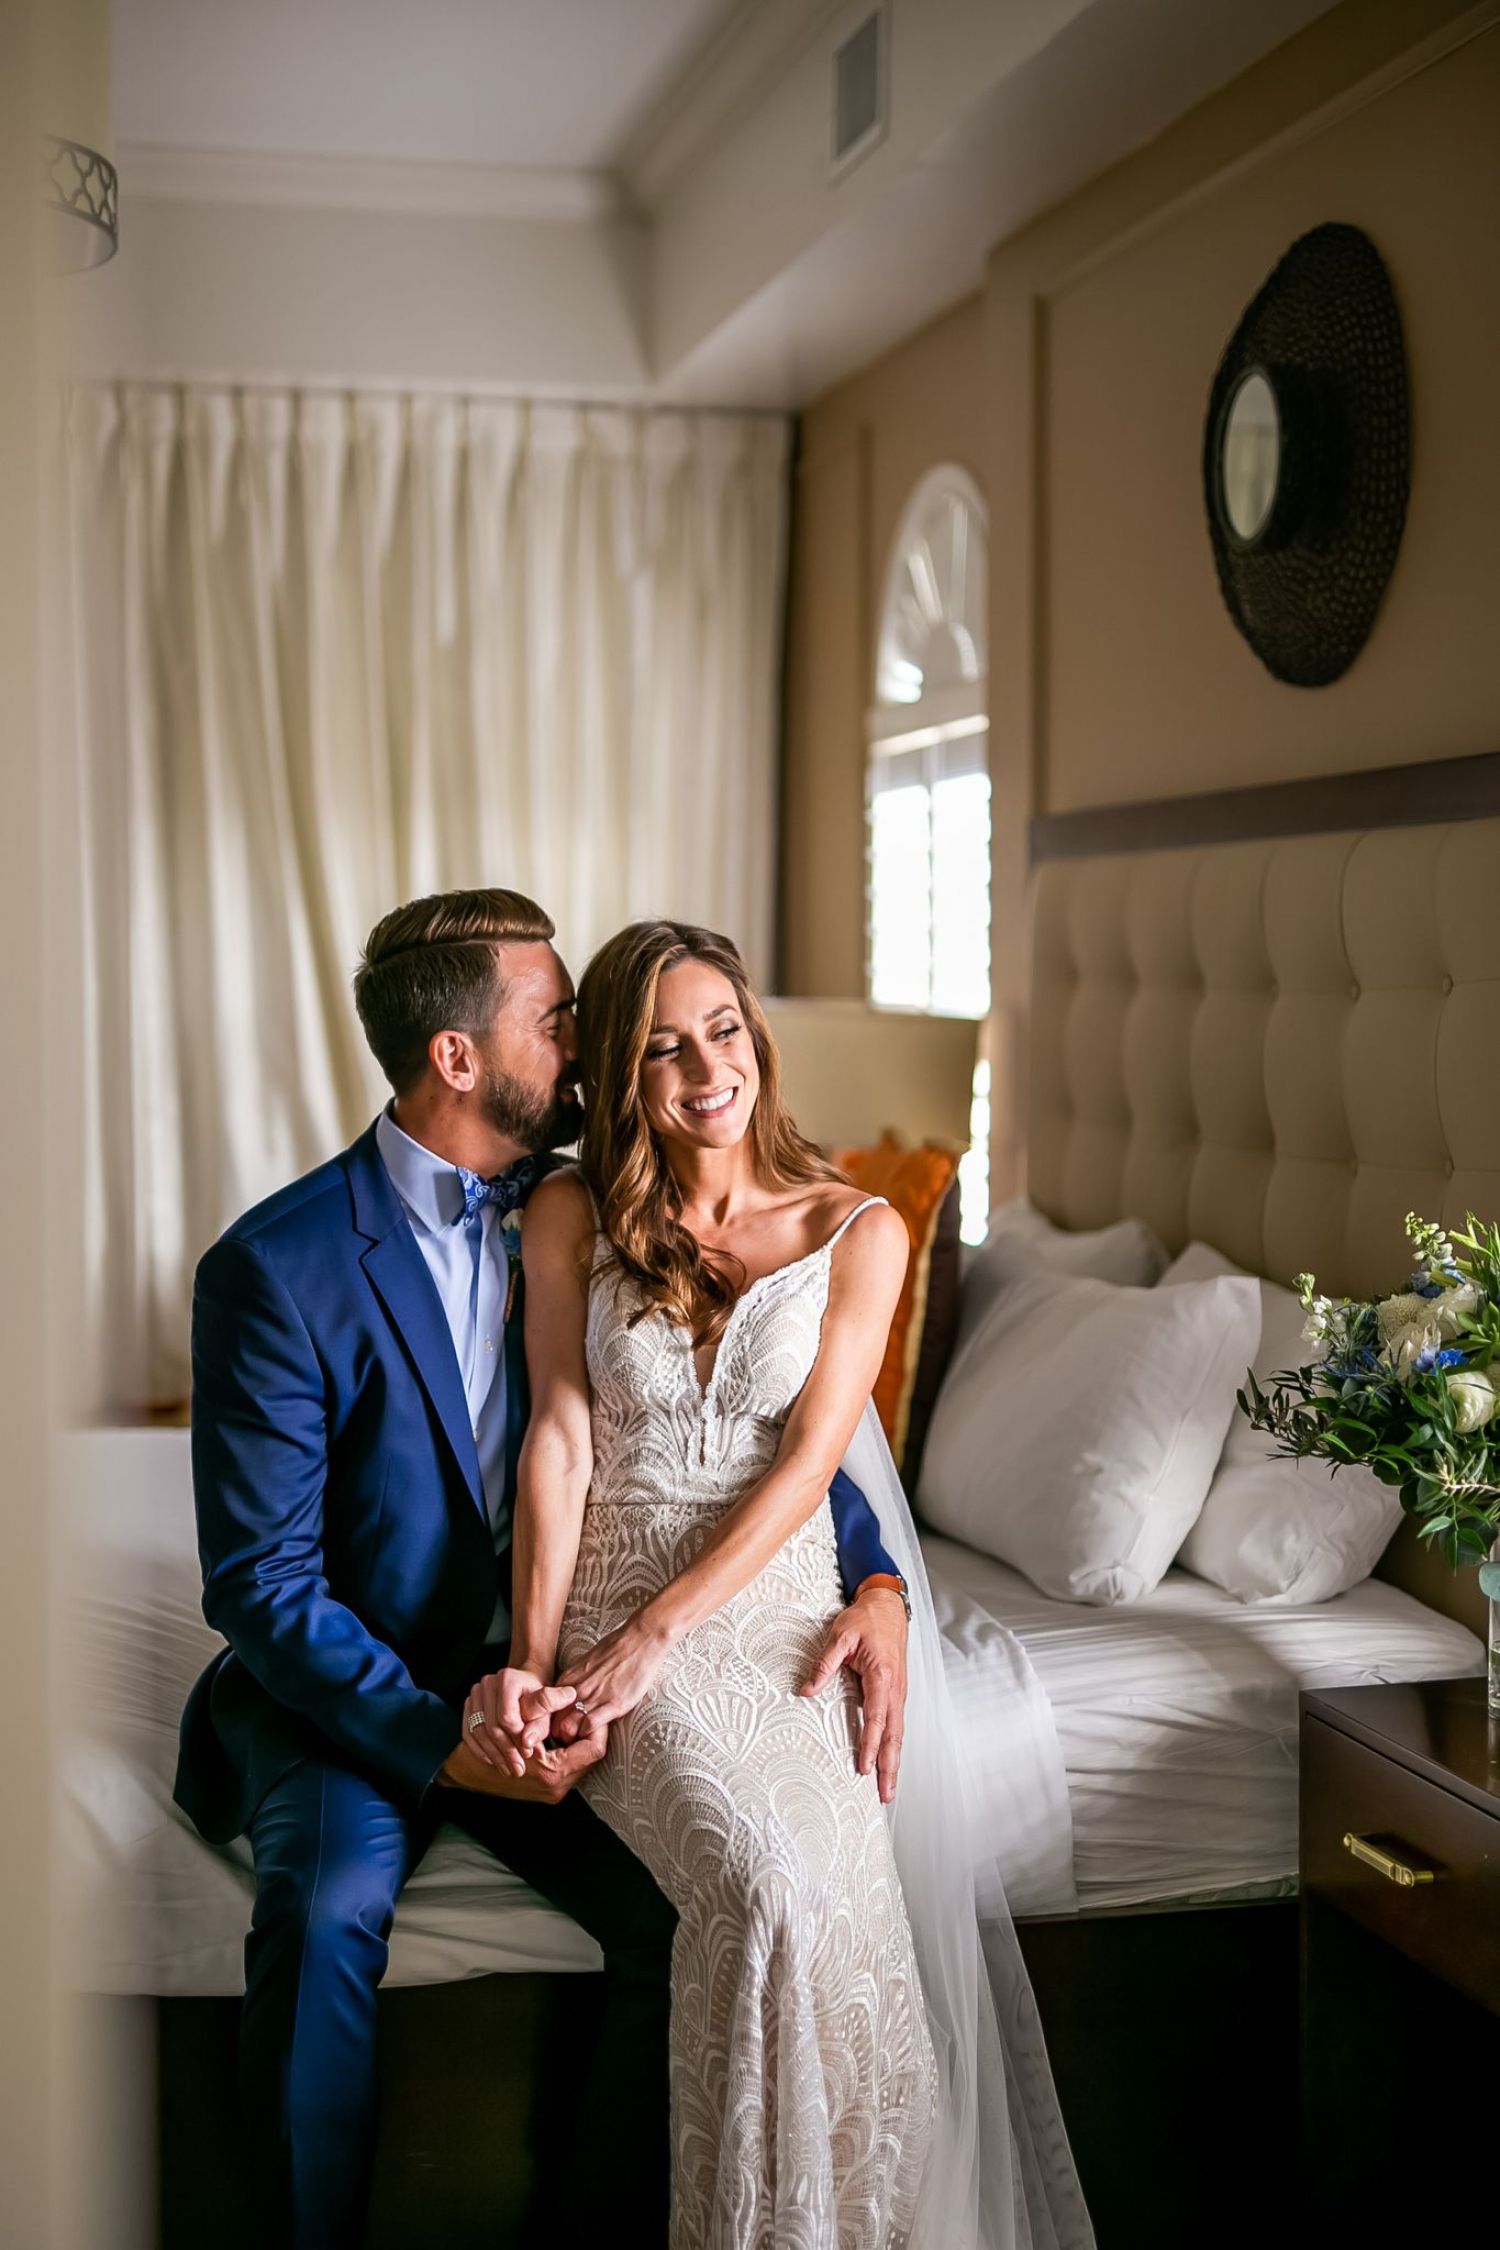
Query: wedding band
[[582, 1709], [476, 1719]]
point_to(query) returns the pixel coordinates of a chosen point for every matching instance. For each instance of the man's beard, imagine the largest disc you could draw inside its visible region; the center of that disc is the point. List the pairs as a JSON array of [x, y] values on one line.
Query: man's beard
[[521, 1113]]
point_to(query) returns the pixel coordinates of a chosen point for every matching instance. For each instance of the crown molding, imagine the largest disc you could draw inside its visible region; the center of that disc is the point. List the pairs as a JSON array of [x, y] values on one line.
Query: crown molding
[[541, 193], [754, 47]]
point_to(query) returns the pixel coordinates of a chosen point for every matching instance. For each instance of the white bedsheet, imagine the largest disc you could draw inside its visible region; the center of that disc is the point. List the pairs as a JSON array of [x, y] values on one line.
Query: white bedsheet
[[1177, 1716]]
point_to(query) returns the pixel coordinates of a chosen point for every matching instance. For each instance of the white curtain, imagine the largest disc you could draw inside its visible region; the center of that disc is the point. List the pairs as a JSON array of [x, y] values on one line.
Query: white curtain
[[337, 651]]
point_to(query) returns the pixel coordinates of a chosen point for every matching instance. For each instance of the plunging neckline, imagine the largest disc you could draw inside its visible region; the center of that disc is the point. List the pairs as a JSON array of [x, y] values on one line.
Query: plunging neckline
[[704, 1389]]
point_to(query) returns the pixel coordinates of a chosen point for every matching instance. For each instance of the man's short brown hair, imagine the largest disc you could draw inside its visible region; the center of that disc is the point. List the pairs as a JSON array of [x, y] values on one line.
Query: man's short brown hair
[[435, 966]]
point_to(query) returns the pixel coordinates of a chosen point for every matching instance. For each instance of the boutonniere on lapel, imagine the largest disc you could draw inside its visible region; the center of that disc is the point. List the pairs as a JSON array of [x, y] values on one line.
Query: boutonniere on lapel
[[510, 1235]]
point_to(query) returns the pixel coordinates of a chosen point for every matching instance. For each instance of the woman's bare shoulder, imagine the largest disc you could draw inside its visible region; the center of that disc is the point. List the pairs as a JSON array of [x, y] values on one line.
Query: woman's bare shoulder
[[559, 1208], [875, 1249], [834, 1201]]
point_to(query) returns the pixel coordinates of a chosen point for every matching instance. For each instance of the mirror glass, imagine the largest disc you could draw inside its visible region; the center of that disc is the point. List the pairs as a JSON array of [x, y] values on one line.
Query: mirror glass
[[1251, 458]]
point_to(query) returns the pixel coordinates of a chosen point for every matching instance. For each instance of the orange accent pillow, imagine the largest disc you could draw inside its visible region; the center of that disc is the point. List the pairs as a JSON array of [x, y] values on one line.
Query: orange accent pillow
[[921, 1184]]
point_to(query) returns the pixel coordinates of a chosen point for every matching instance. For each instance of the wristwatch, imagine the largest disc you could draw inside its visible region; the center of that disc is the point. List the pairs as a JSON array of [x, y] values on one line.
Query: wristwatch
[[892, 1579]]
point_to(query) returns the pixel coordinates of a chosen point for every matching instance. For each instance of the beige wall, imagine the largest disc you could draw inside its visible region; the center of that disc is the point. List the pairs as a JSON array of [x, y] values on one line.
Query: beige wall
[[1074, 388], [27, 2042], [1148, 688], [862, 449]]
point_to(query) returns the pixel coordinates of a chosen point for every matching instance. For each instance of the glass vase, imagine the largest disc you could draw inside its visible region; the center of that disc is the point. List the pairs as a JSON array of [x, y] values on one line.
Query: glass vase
[[1491, 1577]]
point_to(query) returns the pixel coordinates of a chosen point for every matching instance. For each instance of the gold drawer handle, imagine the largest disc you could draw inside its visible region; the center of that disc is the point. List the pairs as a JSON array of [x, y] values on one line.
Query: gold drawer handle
[[1384, 1863]]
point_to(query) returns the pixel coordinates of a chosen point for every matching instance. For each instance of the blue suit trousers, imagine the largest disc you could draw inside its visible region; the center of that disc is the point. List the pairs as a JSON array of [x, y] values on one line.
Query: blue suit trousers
[[331, 1854]]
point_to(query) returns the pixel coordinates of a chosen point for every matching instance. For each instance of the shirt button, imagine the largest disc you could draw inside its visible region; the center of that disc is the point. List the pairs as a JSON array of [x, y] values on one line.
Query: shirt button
[[489, 1343]]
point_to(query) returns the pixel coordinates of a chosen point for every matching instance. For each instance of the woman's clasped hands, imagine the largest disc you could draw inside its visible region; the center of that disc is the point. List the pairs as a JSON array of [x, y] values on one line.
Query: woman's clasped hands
[[518, 1721]]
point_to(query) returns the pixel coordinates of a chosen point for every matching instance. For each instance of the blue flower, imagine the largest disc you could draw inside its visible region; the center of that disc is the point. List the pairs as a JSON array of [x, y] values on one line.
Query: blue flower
[[1426, 1361]]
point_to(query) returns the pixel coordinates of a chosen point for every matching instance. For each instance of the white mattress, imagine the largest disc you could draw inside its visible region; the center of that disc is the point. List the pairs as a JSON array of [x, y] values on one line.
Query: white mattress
[[1177, 1716]]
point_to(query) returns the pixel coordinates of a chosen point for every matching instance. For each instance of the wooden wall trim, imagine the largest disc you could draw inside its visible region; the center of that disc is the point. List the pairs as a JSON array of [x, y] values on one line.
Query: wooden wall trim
[[1388, 797]]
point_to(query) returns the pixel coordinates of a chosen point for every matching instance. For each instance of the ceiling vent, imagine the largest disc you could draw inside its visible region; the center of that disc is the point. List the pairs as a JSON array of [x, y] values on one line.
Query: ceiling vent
[[859, 93]]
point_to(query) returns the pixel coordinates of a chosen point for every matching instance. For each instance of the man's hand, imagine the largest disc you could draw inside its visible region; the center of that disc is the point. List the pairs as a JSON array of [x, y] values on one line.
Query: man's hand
[[507, 1703], [870, 1637], [545, 1780]]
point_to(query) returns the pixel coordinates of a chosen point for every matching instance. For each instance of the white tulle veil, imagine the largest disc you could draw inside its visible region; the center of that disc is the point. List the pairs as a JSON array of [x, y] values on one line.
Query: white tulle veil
[[1002, 2174]]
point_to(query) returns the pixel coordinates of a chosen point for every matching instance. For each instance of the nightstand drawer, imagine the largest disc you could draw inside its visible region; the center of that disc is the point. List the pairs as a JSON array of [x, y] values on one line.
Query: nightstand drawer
[[1449, 1924]]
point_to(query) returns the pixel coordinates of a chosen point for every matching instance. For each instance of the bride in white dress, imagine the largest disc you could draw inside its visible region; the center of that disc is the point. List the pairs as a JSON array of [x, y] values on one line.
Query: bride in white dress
[[708, 1304]]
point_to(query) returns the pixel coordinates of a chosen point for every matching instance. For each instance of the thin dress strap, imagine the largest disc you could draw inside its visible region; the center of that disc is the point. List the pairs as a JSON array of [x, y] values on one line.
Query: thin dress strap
[[869, 1204], [603, 1249]]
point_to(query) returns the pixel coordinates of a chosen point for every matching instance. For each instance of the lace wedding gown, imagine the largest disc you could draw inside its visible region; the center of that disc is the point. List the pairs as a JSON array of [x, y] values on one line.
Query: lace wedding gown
[[802, 2074]]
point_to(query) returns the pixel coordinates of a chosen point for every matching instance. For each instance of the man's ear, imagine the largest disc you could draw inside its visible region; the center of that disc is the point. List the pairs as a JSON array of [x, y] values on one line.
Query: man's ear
[[452, 1056]]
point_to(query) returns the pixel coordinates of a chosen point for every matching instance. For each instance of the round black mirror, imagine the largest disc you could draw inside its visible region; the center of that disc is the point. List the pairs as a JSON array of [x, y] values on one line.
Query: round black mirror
[[1304, 456]]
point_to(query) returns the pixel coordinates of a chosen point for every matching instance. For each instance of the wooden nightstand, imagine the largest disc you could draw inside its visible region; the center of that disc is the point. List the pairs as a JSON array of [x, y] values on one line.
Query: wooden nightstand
[[1400, 2030]]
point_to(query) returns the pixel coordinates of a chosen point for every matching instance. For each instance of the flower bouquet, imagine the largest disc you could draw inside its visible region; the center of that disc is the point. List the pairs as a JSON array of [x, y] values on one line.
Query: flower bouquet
[[1409, 1386]]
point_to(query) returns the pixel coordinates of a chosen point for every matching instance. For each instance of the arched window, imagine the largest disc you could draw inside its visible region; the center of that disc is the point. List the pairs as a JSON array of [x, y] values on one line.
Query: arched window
[[928, 786]]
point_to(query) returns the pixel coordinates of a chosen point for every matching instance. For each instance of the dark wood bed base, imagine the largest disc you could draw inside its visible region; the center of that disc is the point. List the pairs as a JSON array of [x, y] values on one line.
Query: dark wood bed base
[[1173, 2039], [466, 2071]]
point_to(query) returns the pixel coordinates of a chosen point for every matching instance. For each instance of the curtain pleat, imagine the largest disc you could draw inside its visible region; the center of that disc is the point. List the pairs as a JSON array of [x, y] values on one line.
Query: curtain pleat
[[338, 651]]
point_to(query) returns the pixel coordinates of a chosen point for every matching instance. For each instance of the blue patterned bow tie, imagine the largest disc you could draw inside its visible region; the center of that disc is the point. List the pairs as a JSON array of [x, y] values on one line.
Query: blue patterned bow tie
[[508, 1190]]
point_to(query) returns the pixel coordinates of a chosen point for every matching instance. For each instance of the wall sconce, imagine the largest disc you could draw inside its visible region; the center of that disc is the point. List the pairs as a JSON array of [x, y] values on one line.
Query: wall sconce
[[83, 196]]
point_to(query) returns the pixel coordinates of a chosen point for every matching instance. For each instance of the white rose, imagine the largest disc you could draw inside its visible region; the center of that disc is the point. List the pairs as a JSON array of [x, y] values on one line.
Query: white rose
[[1474, 1397], [1408, 1327], [1454, 1305], [1407, 1346]]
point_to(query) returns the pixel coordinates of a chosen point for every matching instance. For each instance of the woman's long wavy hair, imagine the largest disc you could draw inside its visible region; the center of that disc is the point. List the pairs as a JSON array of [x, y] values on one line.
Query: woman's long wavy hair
[[621, 1158]]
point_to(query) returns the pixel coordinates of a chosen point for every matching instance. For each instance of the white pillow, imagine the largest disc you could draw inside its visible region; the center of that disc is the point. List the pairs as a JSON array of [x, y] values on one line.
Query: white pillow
[[1127, 1253], [1272, 1529], [1079, 1423]]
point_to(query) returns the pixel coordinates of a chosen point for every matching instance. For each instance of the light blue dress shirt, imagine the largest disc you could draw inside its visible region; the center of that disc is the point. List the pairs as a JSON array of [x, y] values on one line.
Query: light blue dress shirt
[[470, 1270]]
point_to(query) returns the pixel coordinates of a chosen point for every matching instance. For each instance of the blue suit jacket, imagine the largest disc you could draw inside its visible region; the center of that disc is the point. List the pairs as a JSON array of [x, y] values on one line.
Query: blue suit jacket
[[347, 1554]]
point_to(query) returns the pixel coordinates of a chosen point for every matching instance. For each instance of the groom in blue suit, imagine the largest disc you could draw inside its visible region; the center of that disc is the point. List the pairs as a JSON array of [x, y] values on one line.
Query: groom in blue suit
[[359, 1405]]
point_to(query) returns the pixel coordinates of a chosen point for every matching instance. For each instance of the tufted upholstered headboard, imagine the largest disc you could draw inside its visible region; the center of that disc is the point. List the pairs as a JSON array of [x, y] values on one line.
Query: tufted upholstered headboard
[[1278, 1046]]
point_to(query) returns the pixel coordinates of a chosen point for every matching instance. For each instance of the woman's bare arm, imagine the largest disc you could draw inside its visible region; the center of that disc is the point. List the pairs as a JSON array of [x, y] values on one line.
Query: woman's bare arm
[[556, 1461]]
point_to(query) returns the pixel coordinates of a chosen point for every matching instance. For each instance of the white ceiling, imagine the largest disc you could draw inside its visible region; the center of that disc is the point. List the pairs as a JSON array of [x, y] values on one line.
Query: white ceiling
[[516, 82], [701, 122]]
